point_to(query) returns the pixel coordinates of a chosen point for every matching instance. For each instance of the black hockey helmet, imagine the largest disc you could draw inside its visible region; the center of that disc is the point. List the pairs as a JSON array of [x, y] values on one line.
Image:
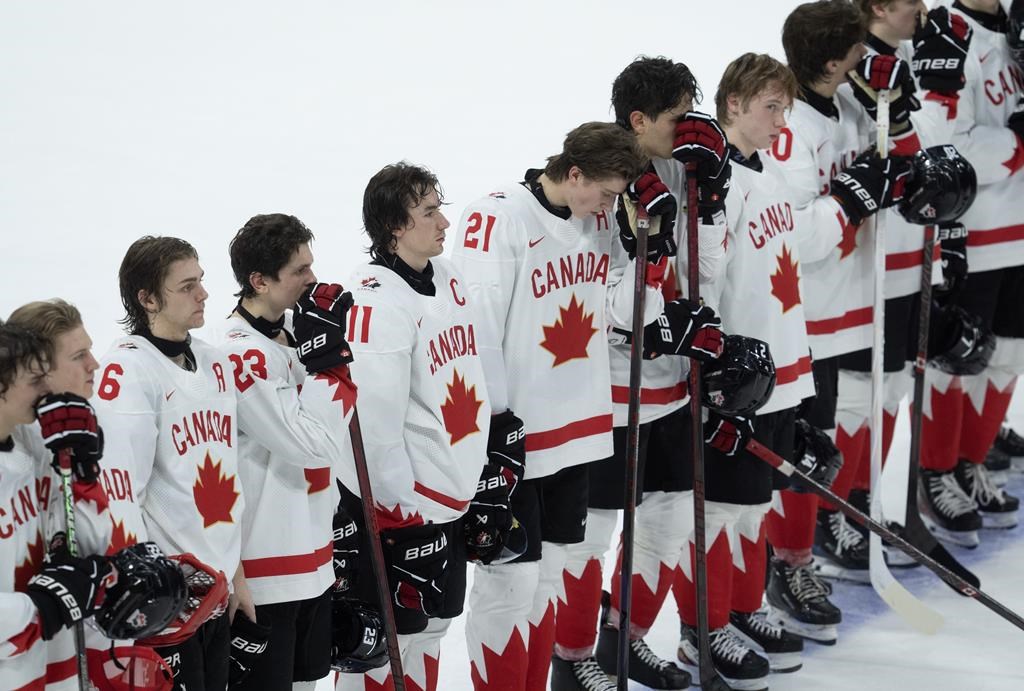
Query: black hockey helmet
[[148, 594], [742, 379], [1015, 30], [963, 346], [358, 640], [942, 186]]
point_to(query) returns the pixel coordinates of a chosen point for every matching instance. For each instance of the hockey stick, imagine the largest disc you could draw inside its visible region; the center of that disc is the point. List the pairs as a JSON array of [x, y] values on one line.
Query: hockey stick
[[911, 609], [880, 531], [64, 461], [643, 226], [709, 678], [914, 529], [380, 569]]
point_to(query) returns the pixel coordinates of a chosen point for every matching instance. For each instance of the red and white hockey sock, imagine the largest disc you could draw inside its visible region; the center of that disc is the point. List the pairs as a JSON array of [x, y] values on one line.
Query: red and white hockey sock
[[497, 628], [792, 520], [577, 613], [986, 400], [750, 560], [852, 440], [940, 427], [541, 643], [719, 580]]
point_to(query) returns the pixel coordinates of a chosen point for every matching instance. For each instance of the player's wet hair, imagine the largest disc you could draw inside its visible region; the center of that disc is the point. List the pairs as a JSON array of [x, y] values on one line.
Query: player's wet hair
[[388, 197], [867, 7], [19, 349], [817, 32], [749, 75], [144, 268], [651, 86], [264, 245], [601, 150], [48, 319]]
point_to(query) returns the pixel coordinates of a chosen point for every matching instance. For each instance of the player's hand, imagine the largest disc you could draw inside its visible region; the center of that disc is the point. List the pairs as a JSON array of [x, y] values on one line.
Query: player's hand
[[953, 239], [651, 194], [815, 455], [68, 425], [248, 642], [940, 51], [685, 328], [346, 551], [876, 73], [700, 142], [417, 558], [66, 589], [319, 321], [729, 435], [869, 184]]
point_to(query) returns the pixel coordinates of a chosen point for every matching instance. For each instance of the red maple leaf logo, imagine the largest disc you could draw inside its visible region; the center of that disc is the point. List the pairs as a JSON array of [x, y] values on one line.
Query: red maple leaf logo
[[460, 409], [849, 242], [317, 479], [344, 388], [120, 538], [215, 493], [786, 281], [568, 337], [1016, 161], [33, 562]]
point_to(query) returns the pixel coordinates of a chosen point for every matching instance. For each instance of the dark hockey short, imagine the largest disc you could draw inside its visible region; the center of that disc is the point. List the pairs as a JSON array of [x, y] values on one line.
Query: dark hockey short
[[552, 509], [820, 410], [200, 663], [900, 337], [299, 648], [995, 296], [365, 585], [663, 465], [744, 478]]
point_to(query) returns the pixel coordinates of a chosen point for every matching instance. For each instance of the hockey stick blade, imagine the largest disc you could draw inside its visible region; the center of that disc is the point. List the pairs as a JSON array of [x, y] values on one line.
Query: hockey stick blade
[[954, 581], [917, 534]]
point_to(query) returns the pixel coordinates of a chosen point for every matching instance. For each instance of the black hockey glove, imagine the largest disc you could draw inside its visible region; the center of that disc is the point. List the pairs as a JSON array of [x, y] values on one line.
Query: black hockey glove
[[815, 455], [728, 435], [346, 550], [319, 322], [953, 238], [958, 343], [700, 141], [68, 424], [248, 642], [684, 328], [489, 519], [650, 193], [869, 184], [66, 589], [358, 638], [417, 558], [940, 51], [876, 73], [1016, 120]]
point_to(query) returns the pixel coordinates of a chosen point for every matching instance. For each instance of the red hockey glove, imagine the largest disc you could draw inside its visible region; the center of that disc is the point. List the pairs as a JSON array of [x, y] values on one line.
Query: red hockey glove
[[66, 589], [940, 51], [650, 193], [869, 184], [875, 73], [319, 322], [728, 435], [700, 142], [684, 328], [68, 424]]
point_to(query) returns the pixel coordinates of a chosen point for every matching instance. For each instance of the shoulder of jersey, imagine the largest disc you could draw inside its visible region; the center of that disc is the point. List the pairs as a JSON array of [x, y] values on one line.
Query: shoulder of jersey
[[369, 280], [805, 122]]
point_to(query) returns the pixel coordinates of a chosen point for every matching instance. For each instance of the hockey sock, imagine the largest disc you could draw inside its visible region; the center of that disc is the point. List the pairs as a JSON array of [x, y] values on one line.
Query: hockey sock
[[577, 614], [852, 444], [750, 561], [719, 581], [792, 520], [497, 630], [986, 400], [940, 427], [541, 643]]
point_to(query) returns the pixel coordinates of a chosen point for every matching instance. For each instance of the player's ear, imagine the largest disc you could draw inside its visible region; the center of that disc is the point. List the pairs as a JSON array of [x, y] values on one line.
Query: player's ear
[[732, 104], [148, 301], [258, 282], [638, 121], [575, 175]]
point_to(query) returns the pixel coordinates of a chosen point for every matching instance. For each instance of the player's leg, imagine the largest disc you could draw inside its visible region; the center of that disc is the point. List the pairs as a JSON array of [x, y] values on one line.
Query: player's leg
[[273, 668], [312, 659]]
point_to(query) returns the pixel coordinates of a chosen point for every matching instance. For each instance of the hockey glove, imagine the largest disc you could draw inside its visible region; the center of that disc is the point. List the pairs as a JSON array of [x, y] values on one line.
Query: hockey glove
[[489, 520], [319, 322], [958, 343], [684, 328], [650, 193], [68, 424], [701, 143], [869, 184], [65, 591], [417, 558], [358, 639], [248, 642], [876, 73], [346, 550], [940, 51], [728, 435], [815, 455], [953, 239], [1016, 122]]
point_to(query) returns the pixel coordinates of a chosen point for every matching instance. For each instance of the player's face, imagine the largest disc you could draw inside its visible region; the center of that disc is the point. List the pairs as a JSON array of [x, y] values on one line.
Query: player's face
[[18, 403], [73, 364], [423, 236], [758, 125], [291, 280], [901, 16], [657, 136], [587, 197], [184, 301]]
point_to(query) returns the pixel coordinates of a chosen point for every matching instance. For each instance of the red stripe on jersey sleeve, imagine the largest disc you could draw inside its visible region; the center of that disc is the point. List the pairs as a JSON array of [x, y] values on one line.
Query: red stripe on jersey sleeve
[[37, 685], [823, 327], [288, 566], [538, 441], [440, 498], [790, 373], [994, 236], [668, 394]]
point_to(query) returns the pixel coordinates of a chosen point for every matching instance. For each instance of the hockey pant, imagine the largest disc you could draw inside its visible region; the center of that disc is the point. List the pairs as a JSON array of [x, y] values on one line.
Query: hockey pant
[[510, 627], [663, 522], [420, 655]]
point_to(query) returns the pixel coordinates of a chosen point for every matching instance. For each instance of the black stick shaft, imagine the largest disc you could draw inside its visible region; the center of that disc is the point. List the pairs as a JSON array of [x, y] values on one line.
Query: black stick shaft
[[81, 661]]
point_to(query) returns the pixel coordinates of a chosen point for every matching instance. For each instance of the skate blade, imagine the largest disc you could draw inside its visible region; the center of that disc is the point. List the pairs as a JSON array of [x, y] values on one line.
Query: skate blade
[[998, 521], [826, 568], [759, 684], [966, 538], [822, 634], [777, 662], [897, 559]]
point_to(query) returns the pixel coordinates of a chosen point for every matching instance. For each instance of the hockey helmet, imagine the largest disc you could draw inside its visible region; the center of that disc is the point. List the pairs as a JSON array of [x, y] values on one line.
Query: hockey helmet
[[742, 379], [968, 347], [129, 668], [358, 639], [1015, 30], [942, 186], [206, 598], [149, 592]]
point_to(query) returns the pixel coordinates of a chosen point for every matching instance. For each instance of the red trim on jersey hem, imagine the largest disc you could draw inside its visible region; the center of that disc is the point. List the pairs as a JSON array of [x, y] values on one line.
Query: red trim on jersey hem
[[790, 373], [660, 396], [440, 498], [34, 685], [549, 439], [823, 327], [909, 260], [290, 565], [993, 236], [59, 671]]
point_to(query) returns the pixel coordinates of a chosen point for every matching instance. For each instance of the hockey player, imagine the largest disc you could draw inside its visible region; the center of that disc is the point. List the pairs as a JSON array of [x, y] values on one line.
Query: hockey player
[[294, 400], [651, 98], [167, 402], [963, 414], [535, 256], [425, 416]]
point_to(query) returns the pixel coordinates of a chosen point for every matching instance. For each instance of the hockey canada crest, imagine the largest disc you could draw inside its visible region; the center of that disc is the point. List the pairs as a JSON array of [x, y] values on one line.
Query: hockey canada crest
[[370, 282]]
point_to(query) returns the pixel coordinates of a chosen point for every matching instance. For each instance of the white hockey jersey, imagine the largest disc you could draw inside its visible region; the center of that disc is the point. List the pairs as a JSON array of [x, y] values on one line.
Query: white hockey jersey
[[291, 429], [423, 405], [759, 295], [175, 434], [538, 286]]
